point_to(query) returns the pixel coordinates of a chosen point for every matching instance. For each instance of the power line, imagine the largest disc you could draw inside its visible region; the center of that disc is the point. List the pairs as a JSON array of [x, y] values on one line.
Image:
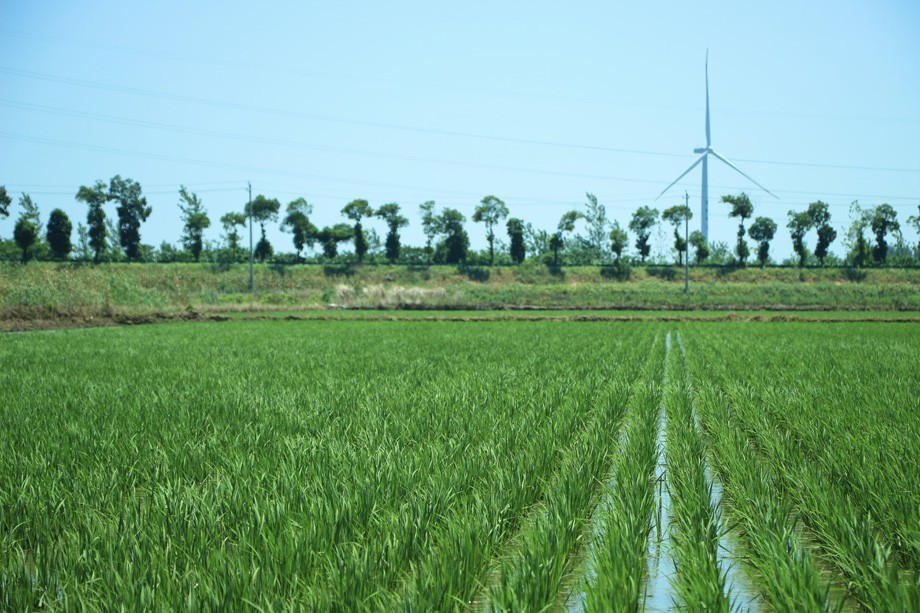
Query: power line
[[391, 126], [313, 116]]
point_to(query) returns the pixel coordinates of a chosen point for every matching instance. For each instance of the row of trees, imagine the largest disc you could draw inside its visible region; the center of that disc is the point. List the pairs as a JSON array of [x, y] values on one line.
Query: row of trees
[[447, 241]]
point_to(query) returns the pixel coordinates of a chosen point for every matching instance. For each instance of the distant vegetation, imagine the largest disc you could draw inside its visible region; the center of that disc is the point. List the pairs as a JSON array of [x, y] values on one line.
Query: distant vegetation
[[582, 237], [44, 287]]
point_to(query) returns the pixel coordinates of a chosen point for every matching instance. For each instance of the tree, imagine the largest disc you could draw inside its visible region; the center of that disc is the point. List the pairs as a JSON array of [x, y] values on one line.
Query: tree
[[330, 238], [700, 248], [95, 197], [5, 202], [883, 220], [678, 216], [619, 240], [263, 210], [763, 230], [741, 208], [297, 221], [516, 237], [456, 241], [429, 225], [25, 232], [820, 219], [596, 218], [914, 220], [357, 210], [643, 220], [132, 210], [194, 220], [799, 224], [58, 234], [566, 226], [490, 211], [536, 242], [856, 244], [389, 213], [230, 222]]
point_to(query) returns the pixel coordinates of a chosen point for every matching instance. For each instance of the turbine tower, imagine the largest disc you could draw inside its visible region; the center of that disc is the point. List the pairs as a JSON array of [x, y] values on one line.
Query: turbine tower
[[704, 159]]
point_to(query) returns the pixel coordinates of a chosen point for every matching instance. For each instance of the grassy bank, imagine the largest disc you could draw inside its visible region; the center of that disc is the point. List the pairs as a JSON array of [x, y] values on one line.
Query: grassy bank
[[147, 287]]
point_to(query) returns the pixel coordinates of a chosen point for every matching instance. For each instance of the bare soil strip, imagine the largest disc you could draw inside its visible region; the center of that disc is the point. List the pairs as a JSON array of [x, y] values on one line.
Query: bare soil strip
[[79, 319]]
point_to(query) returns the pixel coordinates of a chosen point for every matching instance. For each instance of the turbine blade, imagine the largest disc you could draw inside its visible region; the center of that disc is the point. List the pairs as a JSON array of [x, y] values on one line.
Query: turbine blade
[[694, 165], [708, 139], [742, 173]]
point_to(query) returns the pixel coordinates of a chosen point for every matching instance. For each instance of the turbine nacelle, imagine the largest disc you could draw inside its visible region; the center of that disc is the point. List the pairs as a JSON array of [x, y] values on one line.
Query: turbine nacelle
[[704, 153]]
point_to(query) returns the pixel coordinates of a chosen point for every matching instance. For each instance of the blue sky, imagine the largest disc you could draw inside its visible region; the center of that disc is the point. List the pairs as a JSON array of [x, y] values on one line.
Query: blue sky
[[405, 102]]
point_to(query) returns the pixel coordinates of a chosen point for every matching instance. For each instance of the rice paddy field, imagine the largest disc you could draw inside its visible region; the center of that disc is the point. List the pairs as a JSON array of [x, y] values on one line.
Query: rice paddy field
[[456, 465]]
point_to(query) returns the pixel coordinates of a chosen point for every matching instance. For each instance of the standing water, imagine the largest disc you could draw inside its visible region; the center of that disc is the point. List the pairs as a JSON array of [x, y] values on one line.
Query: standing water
[[661, 571]]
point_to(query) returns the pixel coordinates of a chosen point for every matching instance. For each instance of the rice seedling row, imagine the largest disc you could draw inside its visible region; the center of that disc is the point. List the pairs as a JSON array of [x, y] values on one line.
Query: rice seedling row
[[846, 531], [619, 553], [700, 583], [448, 465]]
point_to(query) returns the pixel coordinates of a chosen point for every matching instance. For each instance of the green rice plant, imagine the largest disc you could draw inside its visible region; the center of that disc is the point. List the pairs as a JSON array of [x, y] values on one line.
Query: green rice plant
[[351, 465], [531, 578], [785, 573], [618, 560], [700, 584], [789, 407]]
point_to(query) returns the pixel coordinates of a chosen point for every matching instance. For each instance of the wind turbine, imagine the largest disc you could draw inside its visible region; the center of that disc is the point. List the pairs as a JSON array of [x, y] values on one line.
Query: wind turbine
[[704, 159]]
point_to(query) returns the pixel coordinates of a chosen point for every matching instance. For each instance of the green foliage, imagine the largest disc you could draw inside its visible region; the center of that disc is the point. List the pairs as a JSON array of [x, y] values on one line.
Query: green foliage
[[456, 243], [389, 213], [517, 248], [763, 230], [231, 221], [262, 209], [194, 221], [490, 211], [566, 226], [883, 219], [595, 216], [619, 240], [297, 221], [700, 247], [799, 224], [742, 208], [330, 237], [678, 216], [857, 245], [820, 219], [357, 210], [25, 231], [642, 222], [132, 210], [914, 220], [58, 234], [5, 202], [429, 226], [263, 250], [95, 198]]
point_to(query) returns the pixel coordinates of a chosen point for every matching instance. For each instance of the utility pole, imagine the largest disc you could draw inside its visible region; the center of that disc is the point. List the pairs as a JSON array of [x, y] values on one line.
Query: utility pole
[[686, 242], [252, 284]]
